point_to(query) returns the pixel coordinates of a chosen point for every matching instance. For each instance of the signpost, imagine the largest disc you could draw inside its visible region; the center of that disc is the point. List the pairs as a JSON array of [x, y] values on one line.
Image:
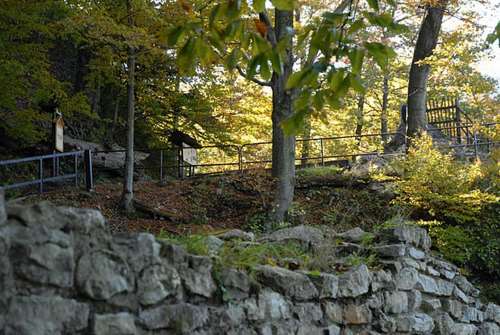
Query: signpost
[[58, 132]]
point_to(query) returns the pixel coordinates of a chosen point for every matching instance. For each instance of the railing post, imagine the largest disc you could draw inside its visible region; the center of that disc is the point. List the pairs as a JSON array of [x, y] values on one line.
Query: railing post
[[40, 175], [458, 123], [89, 178], [240, 159], [322, 152], [161, 165]]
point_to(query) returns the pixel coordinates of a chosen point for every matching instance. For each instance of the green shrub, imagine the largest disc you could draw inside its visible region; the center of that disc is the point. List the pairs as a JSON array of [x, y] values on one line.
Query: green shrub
[[461, 197]]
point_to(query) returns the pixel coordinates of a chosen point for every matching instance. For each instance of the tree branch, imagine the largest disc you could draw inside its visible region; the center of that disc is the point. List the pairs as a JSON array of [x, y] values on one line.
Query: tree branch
[[255, 80]]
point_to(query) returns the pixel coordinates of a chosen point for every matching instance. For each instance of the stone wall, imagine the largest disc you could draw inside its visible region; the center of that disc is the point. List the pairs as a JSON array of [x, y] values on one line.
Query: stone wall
[[61, 272]]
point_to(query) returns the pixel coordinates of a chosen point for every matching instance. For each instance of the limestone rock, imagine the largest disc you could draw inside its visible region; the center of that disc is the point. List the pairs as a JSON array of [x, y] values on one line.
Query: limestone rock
[[391, 251], [492, 313], [304, 234], [271, 306], [382, 280], [416, 253], [214, 244], [431, 304], [417, 323], [197, 277], [327, 284], [434, 286], [115, 324], [489, 328], [37, 315], [236, 234], [3, 211], [413, 235], [396, 302], [102, 274], [292, 284], [307, 312], [182, 318], [42, 256], [472, 314], [464, 329], [156, 283], [355, 235], [407, 278], [333, 312], [355, 282], [356, 314], [236, 284]]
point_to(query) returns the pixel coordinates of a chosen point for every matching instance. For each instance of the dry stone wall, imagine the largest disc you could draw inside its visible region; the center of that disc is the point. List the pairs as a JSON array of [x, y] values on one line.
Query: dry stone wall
[[61, 272]]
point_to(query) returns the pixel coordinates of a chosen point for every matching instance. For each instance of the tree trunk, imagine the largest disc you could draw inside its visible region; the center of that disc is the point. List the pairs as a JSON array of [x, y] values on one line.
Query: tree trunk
[[385, 103], [128, 183], [417, 85], [283, 164], [359, 118], [306, 145]]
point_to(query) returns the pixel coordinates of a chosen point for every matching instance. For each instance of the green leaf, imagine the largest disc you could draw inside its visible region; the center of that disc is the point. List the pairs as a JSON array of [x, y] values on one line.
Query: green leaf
[[356, 26], [214, 14], [357, 84], [319, 100], [274, 56], [293, 124], [380, 53], [356, 57], [336, 80], [284, 4], [334, 18], [373, 4], [265, 72], [294, 80], [232, 59], [187, 56], [175, 35], [259, 5]]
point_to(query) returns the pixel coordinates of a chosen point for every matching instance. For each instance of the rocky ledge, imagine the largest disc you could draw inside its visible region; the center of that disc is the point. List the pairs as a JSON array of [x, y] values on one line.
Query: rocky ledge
[[62, 272]]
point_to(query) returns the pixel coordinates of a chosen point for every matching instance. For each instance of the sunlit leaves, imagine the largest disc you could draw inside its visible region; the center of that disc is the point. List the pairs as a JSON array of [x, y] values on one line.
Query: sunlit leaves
[[284, 4], [259, 5], [373, 4], [356, 57], [380, 52]]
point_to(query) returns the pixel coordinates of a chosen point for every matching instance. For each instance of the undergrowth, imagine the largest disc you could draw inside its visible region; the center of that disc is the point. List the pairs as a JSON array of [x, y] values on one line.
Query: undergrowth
[[459, 203]]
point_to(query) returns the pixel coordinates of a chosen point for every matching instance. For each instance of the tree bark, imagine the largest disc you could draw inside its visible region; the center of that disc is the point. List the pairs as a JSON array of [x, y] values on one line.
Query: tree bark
[[359, 118], [128, 183], [385, 103], [283, 160], [417, 85]]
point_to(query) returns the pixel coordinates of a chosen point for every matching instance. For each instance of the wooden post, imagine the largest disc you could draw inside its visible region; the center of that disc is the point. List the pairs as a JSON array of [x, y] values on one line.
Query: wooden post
[[89, 179]]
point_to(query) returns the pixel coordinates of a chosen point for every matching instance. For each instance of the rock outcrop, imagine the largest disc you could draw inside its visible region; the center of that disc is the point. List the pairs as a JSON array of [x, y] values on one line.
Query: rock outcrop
[[61, 272]]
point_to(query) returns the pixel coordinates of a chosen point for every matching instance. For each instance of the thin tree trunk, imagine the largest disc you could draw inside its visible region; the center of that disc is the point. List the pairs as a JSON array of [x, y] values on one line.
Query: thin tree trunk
[[417, 85], [306, 145], [359, 118], [385, 103], [128, 183], [283, 166]]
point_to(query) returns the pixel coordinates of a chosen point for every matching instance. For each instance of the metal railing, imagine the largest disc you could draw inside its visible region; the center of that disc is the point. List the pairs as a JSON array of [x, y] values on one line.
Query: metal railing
[[226, 158], [56, 173]]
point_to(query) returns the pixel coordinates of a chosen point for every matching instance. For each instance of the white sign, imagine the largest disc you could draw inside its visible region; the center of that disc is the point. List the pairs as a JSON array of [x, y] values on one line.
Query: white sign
[[59, 135], [189, 154]]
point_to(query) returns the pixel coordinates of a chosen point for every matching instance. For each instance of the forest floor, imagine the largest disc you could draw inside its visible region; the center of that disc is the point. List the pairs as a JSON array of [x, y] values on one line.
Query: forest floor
[[209, 204]]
